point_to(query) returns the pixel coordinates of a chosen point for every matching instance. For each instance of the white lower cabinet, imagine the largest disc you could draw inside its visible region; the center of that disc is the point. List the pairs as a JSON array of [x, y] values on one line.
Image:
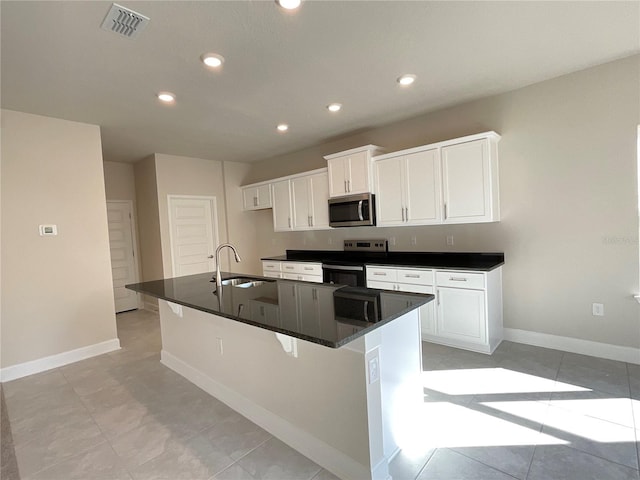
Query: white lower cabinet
[[467, 311], [304, 271]]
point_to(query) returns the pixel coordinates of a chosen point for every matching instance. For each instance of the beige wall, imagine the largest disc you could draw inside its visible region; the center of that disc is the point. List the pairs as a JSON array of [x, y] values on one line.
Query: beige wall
[[569, 199], [57, 292]]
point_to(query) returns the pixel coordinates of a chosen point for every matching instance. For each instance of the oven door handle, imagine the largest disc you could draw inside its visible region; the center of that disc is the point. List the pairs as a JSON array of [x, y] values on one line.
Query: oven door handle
[[360, 210], [352, 268], [366, 310]]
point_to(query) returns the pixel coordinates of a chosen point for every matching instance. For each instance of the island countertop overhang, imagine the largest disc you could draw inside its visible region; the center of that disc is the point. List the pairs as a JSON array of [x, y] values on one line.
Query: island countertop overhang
[[313, 312]]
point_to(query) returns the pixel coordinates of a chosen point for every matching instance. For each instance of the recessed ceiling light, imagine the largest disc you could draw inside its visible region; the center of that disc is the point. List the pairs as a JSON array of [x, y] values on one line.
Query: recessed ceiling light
[[283, 127], [212, 60], [289, 4], [166, 97], [406, 80], [334, 107]]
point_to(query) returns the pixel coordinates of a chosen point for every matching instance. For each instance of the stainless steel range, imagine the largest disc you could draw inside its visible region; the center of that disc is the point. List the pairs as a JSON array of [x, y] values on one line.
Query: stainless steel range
[[351, 271]]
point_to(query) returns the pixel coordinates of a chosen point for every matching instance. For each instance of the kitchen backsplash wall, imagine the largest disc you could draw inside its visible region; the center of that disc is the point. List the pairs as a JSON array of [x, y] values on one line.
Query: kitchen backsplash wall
[[568, 185]]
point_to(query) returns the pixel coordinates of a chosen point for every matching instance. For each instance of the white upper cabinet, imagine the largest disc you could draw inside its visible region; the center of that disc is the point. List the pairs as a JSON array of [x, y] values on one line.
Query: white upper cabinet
[[301, 202], [408, 189], [350, 171], [310, 195], [256, 197], [282, 211], [470, 181], [448, 182]]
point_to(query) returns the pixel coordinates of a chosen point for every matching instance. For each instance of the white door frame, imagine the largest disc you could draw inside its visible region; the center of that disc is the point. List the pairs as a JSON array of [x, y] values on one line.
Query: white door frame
[[134, 240], [214, 220]]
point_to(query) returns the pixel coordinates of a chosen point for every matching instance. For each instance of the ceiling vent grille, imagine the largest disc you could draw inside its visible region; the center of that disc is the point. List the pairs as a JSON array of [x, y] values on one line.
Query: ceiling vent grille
[[124, 21]]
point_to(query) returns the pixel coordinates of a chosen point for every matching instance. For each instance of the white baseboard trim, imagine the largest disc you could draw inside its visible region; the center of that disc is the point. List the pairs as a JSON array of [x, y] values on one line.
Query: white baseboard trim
[[58, 360], [574, 345], [320, 452]]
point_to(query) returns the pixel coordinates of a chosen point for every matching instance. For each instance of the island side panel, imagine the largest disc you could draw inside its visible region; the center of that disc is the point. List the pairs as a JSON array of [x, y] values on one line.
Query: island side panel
[[321, 394]]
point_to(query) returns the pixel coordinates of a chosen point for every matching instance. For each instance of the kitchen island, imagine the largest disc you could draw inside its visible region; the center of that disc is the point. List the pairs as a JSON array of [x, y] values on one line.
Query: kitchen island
[[333, 371]]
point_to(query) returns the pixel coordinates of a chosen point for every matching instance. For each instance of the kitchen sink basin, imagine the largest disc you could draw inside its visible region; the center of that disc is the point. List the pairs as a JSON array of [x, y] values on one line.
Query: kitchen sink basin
[[242, 282]]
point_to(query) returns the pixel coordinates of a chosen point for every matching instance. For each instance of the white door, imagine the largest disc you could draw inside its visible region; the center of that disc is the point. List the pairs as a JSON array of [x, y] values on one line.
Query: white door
[[194, 234], [123, 263]]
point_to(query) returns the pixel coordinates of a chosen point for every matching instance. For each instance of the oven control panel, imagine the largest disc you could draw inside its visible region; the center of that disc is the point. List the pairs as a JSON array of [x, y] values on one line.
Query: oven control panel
[[375, 245]]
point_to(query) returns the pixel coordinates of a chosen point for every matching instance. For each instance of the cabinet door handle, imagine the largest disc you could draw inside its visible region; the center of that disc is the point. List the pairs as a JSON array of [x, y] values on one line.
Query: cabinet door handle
[[457, 279], [349, 185], [438, 297], [402, 210], [288, 267], [345, 187], [380, 274], [314, 294], [308, 268], [445, 211], [255, 201], [412, 275], [406, 213], [289, 222]]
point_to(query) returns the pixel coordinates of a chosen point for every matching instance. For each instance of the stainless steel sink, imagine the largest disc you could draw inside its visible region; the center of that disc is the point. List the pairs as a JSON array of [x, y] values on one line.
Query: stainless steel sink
[[242, 282], [236, 281]]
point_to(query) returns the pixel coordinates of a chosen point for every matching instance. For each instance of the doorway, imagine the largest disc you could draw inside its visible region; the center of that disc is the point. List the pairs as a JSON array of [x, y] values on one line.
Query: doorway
[[122, 245]]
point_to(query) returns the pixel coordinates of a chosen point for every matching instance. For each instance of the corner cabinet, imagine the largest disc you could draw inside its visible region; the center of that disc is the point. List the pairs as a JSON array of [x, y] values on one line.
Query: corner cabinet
[[256, 196], [455, 181], [467, 311], [301, 202], [470, 181], [349, 172]]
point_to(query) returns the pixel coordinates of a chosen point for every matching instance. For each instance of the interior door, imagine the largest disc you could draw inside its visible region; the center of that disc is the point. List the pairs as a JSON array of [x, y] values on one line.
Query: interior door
[[124, 269], [194, 234]]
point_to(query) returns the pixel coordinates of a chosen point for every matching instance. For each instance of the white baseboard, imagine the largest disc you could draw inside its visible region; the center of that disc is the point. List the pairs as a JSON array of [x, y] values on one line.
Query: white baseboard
[[152, 307], [320, 452], [58, 360], [574, 345]]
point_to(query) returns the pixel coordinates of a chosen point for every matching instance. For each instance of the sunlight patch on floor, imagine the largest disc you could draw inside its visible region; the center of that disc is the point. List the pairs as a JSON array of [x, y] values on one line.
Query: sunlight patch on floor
[[480, 381]]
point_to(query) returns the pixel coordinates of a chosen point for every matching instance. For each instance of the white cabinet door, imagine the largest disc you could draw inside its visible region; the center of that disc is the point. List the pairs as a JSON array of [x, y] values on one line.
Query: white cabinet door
[[337, 170], [422, 188], [467, 182], [300, 195], [358, 173], [281, 206], [256, 197], [319, 200], [461, 315], [390, 191]]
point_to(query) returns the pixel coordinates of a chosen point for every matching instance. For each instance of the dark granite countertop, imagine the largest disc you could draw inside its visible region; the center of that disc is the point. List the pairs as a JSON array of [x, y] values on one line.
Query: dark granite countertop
[[327, 314], [484, 262]]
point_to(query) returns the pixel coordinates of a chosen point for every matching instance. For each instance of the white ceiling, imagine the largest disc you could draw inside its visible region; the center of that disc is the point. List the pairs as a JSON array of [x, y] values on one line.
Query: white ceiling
[[286, 67]]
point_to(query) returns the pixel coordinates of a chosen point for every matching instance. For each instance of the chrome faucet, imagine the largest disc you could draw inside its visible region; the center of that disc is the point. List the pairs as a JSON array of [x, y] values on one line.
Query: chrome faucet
[[238, 259]]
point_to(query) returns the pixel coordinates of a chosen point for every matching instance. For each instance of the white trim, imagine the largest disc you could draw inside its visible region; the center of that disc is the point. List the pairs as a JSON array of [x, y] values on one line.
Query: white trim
[[58, 360], [214, 220], [320, 452], [366, 148], [288, 177], [574, 345], [134, 240]]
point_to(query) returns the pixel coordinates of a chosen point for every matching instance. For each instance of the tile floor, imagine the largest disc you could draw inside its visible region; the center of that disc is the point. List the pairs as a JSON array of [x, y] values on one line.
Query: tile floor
[[525, 412]]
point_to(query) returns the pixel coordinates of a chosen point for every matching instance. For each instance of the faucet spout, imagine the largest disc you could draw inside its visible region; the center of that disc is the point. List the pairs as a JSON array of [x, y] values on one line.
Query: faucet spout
[[235, 254]]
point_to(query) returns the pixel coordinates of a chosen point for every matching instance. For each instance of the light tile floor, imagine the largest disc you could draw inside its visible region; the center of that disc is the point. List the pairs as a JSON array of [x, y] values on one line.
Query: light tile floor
[[525, 412]]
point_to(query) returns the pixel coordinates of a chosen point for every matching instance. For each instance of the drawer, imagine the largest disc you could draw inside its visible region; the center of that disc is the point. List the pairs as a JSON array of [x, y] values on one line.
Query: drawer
[[460, 279], [415, 276], [270, 266], [272, 274], [303, 268], [301, 277], [416, 288], [381, 274]]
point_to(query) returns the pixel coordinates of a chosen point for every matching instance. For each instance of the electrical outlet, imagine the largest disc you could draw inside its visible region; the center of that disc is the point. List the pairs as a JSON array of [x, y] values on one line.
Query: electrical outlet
[[598, 309], [414, 240], [450, 240], [392, 241], [330, 240], [374, 370], [220, 349]]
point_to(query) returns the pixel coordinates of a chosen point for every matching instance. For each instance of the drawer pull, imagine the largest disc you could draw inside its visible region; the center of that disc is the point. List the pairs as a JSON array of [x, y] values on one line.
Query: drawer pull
[[412, 275], [380, 274], [308, 268], [288, 268], [457, 279]]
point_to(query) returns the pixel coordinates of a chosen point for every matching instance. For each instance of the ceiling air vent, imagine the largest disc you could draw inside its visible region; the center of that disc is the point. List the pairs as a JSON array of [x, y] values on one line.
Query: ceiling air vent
[[124, 22]]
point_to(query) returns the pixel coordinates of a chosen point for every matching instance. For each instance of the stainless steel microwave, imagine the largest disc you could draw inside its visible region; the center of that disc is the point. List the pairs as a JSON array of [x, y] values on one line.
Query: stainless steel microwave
[[352, 211]]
